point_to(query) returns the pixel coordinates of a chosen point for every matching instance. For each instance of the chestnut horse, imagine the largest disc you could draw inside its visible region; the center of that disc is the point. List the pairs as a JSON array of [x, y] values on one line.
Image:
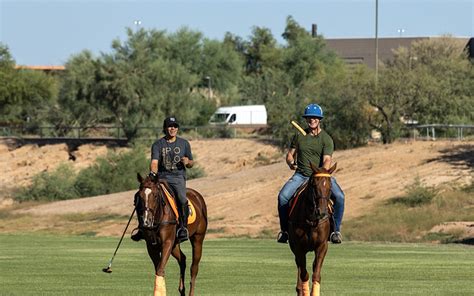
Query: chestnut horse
[[158, 221], [309, 227]]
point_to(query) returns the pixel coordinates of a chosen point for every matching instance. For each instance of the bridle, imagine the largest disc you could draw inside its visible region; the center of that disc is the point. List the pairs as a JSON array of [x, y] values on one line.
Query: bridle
[[157, 213], [320, 215]]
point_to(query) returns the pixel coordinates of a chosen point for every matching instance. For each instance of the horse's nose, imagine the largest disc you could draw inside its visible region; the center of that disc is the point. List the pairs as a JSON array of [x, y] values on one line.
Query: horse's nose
[[147, 220]]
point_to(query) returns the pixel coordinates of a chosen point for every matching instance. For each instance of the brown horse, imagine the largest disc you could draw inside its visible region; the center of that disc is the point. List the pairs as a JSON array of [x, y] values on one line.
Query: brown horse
[[309, 227], [158, 221]]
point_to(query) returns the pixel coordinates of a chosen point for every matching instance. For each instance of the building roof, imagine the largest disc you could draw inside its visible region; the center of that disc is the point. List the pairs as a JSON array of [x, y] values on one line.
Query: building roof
[[41, 68], [362, 50]]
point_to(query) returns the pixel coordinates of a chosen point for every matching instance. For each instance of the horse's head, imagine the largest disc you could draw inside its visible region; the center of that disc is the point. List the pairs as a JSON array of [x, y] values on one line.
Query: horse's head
[[148, 201], [320, 185]]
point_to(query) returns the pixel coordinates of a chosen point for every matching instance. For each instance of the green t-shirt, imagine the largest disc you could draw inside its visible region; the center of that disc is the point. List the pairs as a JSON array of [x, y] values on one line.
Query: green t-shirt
[[310, 149]]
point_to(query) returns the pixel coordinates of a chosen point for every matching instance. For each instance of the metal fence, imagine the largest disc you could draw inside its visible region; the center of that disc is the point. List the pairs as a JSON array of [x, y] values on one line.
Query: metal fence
[[435, 131], [112, 133], [116, 133]]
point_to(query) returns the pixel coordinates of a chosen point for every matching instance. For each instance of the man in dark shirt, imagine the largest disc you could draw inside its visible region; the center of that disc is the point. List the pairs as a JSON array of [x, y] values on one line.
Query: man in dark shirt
[[170, 156]]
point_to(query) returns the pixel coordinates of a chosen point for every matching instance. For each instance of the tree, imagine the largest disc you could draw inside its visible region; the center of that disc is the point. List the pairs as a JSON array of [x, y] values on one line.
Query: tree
[[261, 51], [293, 31], [221, 64], [26, 96], [79, 101], [185, 47], [348, 110], [430, 83], [443, 81]]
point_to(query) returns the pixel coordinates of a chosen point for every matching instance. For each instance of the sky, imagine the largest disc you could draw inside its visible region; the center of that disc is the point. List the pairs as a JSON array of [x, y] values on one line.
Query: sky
[[40, 32]]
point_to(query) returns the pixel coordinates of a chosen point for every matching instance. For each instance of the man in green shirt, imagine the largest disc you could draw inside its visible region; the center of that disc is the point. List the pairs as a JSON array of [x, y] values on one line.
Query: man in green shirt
[[315, 147]]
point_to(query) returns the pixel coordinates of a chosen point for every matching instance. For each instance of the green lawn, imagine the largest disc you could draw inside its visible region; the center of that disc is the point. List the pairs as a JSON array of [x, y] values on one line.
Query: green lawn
[[71, 265]]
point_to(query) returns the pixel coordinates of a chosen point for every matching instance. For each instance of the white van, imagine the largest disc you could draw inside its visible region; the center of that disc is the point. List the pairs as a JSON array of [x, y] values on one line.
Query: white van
[[245, 115]]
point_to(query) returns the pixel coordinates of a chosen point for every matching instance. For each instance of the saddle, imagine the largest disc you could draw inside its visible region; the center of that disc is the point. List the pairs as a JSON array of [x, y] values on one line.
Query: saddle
[[174, 207]]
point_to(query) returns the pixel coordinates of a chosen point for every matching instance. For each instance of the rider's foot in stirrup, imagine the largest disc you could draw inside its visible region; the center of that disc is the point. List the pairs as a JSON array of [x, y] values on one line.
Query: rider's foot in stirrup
[[282, 237], [336, 237], [137, 236], [182, 234]]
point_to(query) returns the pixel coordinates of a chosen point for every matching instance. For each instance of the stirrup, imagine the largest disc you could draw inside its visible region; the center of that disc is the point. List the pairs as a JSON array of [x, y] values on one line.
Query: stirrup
[[336, 237], [182, 234]]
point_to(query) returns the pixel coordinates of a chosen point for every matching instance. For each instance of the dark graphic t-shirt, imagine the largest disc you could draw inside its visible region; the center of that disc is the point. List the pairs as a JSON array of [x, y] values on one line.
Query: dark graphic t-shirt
[[169, 156]]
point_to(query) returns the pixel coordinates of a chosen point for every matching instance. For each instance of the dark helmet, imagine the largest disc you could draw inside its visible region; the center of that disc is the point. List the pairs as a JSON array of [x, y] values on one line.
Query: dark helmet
[[170, 121], [313, 110]]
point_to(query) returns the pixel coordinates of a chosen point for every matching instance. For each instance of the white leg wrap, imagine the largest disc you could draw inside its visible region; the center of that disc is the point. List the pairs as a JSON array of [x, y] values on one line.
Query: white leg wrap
[[316, 289], [160, 286], [305, 286]]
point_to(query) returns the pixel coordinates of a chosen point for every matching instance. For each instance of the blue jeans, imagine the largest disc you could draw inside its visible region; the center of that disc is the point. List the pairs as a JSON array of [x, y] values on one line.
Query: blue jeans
[[290, 188]]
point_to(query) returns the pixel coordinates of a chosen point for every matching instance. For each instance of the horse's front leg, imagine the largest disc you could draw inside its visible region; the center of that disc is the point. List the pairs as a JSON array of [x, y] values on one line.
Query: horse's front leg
[[160, 284], [302, 285], [319, 253]]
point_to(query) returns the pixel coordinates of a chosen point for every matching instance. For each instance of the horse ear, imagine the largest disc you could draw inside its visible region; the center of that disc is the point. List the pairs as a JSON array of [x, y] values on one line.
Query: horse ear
[[139, 178], [313, 167], [333, 168]]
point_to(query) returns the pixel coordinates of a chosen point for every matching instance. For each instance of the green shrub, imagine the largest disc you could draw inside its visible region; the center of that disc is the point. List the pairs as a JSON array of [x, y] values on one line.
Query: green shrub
[[416, 195], [218, 131], [56, 185], [113, 173], [194, 173], [396, 222], [469, 188]]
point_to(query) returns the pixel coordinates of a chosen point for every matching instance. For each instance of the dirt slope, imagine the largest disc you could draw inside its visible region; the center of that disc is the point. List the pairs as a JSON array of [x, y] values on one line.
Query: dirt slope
[[242, 182]]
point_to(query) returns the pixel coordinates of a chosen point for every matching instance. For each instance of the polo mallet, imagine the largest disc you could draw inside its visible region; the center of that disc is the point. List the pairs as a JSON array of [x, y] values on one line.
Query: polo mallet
[[298, 127], [108, 269]]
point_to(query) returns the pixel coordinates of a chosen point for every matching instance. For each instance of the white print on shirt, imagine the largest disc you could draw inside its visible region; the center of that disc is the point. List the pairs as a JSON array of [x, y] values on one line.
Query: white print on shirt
[[171, 157]]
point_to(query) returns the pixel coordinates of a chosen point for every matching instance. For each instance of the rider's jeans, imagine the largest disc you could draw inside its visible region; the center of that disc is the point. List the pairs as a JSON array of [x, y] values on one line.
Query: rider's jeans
[[338, 197], [290, 188]]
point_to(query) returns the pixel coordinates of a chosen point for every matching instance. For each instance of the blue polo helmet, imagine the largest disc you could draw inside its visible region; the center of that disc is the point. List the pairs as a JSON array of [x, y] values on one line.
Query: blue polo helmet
[[313, 110]]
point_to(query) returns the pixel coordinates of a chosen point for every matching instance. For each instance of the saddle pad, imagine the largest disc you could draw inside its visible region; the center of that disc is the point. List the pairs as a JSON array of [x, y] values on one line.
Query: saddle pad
[[174, 207]]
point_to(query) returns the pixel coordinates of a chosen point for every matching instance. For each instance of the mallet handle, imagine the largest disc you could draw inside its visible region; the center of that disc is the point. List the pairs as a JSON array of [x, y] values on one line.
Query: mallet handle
[[298, 127]]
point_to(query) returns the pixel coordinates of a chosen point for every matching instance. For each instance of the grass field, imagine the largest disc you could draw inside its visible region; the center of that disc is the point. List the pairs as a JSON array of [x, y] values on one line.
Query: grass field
[[71, 265]]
